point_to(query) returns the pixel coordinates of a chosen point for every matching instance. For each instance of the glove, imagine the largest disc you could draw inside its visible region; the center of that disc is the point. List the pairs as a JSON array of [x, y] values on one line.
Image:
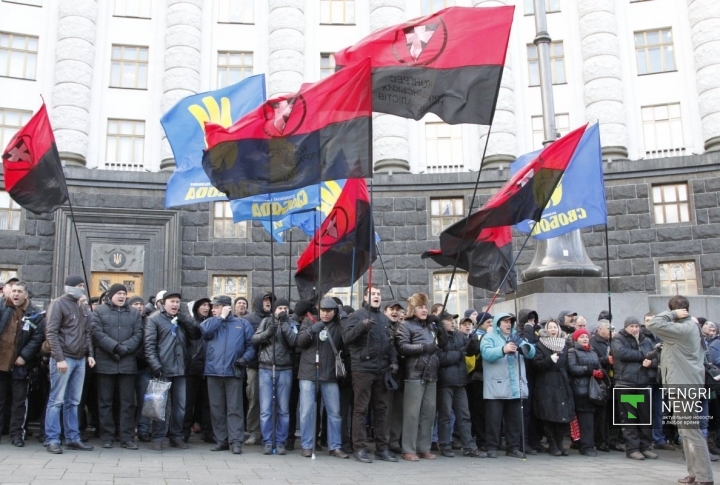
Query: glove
[[367, 323], [433, 319], [283, 317], [430, 348], [317, 327], [122, 350], [240, 363], [651, 355], [394, 368], [554, 358], [598, 374], [157, 373]]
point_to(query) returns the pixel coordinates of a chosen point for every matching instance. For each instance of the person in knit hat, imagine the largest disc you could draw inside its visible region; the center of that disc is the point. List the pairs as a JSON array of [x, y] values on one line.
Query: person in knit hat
[[240, 306], [117, 336], [584, 365]]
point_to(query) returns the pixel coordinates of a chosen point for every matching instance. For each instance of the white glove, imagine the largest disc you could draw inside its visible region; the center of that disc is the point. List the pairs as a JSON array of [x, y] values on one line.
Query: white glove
[[717, 377], [555, 358]]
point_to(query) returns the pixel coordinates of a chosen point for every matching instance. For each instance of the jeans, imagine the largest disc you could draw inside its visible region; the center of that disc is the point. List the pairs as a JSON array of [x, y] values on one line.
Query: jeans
[[65, 393], [142, 378], [331, 399], [705, 414], [453, 402], [174, 412], [283, 382], [658, 436]]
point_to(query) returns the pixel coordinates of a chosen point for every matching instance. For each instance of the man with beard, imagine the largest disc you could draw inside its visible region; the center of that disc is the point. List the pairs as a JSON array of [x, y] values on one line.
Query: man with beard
[[21, 334], [366, 333], [69, 335], [261, 308]]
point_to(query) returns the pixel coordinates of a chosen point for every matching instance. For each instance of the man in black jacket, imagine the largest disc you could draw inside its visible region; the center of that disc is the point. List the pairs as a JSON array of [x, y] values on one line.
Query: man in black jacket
[[167, 336], [366, 333], [261, 308], [21, 334], [600, 343], [117, 335], [395, 398]]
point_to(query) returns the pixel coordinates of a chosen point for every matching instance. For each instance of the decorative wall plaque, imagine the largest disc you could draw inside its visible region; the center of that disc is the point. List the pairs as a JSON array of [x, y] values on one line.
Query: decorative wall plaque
[[116, 257]]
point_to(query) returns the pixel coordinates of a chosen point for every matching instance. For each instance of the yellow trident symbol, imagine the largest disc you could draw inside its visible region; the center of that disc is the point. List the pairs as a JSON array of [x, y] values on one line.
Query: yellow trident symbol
[[220, 115], [556, 196]]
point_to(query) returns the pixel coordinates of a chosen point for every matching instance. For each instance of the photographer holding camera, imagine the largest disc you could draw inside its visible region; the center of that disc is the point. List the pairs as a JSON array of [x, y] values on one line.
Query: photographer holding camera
[[683, 364]]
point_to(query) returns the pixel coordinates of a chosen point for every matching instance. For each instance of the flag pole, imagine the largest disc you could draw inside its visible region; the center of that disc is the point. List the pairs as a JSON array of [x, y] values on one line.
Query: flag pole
[[77, 238], [377, 248], [352, 276], [507, 274], [370, 241], [319, 292], [272, 298], [607, 265], [290, 266]]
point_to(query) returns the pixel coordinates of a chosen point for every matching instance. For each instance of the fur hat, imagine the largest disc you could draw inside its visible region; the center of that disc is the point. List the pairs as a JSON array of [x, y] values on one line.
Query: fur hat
[[418, 299]]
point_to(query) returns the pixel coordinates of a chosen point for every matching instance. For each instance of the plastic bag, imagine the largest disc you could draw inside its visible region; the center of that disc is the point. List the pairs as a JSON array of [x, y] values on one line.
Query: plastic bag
[[598, 392], [156, 398]]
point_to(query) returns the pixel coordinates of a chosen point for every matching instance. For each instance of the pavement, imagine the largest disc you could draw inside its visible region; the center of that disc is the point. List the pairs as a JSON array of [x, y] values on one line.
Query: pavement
[[33, 465]]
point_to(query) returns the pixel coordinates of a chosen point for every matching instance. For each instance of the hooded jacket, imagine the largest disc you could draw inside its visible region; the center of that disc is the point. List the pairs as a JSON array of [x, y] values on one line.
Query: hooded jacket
[[197, 347], [500, 371], [68, 329], [165, 352], [117, 335], [309, 342], [628, 355], [370, 350], [255, 316], [275, 343], [227, 340], [31, 332], [529, 331], [453, 370], [682, 354]]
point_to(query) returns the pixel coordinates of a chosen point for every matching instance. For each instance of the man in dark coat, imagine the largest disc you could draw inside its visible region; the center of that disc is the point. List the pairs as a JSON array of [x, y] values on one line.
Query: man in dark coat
[[228, 352], [396, 397], [117, 335], [142, 376], [197, 406], [451, 394], [21, 334], [261, 308], [600, 343], [366, 334], [167, 336]]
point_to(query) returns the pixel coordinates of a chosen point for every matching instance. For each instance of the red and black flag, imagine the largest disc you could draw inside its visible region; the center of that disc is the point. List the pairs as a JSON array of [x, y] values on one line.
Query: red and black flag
[[486, 260], [321, 133], [344, 246], [34, 176], [448, 63], [523, 197]]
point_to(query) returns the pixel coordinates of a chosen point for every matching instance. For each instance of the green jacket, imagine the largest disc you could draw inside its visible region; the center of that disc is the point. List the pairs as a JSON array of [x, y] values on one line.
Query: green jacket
[[682, 353]]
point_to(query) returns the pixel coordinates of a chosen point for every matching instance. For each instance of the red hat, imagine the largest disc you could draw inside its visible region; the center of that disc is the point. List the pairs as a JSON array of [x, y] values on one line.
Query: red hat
[[580, 331]]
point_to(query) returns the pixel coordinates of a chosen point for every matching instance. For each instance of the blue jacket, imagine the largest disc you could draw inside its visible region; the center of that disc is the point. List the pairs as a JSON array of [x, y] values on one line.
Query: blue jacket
[[500, 370], [227, 341]]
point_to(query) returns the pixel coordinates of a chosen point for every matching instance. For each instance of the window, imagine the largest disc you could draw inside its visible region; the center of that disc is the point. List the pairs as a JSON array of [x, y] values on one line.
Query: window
[[444, 213], [431, 6], [10, 122], [232, 286], [10, 213], [550, 6], [129, 67], [34, 3], [18, 55], [562, 125], [133, 8], [345, 294], [327, 65], [557, 63], [654, 51], [678, 278], [458, 299], [223, 225], [236, 11], [444, 147], [337, 12], [125, 145], [662, 130], [6, 274], [233, 67], [670, 203]]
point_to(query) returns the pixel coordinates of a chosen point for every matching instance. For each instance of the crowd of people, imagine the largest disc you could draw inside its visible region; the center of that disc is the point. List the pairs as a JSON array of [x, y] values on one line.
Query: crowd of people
[[409, 377]]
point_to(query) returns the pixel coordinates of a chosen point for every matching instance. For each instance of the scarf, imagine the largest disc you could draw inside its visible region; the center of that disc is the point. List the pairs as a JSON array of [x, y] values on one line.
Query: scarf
[[556, 344]]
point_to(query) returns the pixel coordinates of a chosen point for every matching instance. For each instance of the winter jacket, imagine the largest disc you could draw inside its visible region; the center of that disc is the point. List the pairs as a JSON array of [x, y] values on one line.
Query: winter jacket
[[412, 336], [552, 396], [31, 332], [628, 355], [255, 316], [682, 354], [601, 347], [713, 346], [501, 379], [197, 347], [310, 343], [581, 364], [227, 340], [370, 350], [453, 371], [275, 343], [68, 329], [117, 335], [167, 346]]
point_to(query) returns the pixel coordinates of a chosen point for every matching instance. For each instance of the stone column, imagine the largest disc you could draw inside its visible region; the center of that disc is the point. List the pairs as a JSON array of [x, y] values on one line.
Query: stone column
[[705, 31], [502, 146], [286, 46], [602, 75], [391, 149], [183, 50], [71, 94]]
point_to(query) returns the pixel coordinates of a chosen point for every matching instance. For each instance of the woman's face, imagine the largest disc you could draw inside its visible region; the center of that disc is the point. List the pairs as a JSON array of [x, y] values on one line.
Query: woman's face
[[583, 339], [553, 328]]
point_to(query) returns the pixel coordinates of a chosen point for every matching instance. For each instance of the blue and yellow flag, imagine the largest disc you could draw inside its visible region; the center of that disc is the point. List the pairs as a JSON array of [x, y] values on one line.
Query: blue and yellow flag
[[184, 125], [579, 199]]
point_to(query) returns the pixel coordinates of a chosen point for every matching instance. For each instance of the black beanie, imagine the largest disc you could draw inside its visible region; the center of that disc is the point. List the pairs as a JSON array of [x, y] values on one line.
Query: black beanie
[[114, 289], [74, 280], [280, 302], [302, 307]]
